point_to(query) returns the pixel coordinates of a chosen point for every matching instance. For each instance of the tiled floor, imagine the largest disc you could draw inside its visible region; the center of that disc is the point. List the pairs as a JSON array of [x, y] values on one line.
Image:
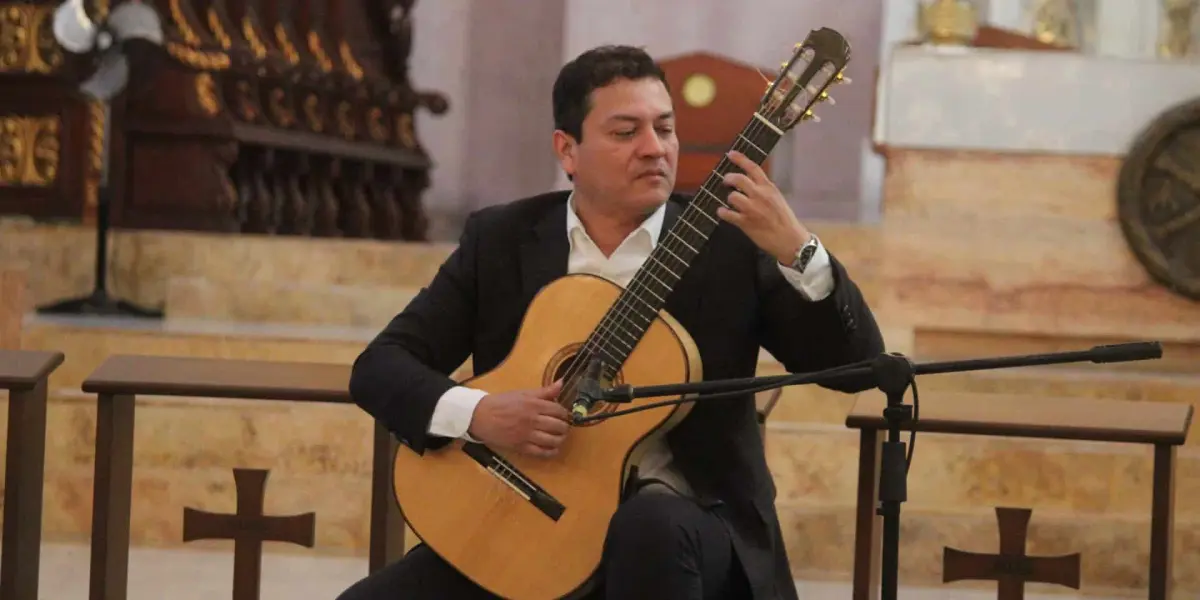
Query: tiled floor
[[206, 575]]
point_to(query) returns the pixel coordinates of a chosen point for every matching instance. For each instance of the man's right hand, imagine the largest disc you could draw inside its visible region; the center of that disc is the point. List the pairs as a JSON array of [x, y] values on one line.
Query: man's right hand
[[528, 421]]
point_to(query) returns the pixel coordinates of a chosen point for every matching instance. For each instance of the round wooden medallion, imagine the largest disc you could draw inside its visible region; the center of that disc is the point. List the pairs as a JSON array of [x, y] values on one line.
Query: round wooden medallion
[[1158, 199], [699, 90]]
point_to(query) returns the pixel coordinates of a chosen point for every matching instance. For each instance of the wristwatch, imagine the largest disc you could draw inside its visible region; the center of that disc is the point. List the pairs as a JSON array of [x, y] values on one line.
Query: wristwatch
[[805, 254]]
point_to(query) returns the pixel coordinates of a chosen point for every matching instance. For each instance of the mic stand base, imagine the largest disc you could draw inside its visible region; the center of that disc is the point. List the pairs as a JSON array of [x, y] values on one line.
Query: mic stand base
[[99, 304]]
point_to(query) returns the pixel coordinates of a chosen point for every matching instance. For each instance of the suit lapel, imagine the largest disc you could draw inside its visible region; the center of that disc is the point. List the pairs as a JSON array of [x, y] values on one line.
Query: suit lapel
[[544, 251]]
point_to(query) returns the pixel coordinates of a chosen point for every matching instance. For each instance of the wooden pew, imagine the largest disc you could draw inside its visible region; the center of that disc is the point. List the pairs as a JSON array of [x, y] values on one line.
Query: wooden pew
[[120, 379], [24, 375], [1161, 425]]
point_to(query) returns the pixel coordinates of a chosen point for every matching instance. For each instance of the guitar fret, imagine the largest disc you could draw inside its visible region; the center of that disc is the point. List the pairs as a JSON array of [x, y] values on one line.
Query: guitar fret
[[703, 236], [665, 268], [684, 242], [762, 154], [673, 255], [710, 195], [664, 284]]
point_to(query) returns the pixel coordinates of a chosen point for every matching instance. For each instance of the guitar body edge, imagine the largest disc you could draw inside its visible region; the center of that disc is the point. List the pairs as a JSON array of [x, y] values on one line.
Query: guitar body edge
[[531, 528]]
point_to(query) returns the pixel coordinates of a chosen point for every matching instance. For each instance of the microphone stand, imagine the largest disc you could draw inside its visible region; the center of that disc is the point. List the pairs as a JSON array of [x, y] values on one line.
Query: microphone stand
[[891, 374]]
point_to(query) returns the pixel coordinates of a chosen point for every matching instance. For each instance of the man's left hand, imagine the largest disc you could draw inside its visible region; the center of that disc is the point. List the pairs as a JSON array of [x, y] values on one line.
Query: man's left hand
[[760, 210]]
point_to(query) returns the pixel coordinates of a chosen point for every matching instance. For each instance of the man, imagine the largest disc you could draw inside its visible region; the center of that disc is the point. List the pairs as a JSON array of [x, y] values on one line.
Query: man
[[704, 525]]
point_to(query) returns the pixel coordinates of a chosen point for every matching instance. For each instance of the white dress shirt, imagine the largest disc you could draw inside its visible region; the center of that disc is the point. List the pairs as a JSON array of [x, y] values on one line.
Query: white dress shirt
[[452, 415]]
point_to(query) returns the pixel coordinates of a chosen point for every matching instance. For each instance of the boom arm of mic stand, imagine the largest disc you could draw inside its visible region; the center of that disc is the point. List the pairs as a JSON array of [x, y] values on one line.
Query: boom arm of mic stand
[[870, 368]]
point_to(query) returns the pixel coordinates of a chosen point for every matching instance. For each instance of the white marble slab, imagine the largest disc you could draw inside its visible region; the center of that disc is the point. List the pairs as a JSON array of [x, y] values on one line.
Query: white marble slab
[[1024, 101]]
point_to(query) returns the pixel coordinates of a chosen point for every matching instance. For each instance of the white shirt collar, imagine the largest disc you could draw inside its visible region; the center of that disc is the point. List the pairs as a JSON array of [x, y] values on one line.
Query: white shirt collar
[[652, 226]]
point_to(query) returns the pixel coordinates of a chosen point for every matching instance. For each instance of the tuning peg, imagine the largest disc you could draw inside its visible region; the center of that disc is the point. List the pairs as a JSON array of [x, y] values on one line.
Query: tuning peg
[[811, 116], [825, 97], [842, 78]]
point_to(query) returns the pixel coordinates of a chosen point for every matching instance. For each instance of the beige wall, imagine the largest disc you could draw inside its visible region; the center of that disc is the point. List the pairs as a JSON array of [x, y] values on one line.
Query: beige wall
[[497, 67]]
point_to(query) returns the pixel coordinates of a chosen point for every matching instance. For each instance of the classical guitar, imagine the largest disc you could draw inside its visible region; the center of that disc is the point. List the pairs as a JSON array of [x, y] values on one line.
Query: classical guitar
[[533, 529]]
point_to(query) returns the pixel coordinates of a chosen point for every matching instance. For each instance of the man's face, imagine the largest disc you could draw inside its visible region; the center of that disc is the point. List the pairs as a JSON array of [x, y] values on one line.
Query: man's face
[[629, 152]]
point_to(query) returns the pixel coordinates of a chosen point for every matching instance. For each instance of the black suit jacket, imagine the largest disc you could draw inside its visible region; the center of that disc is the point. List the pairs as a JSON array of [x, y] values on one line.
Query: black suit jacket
[[732, 300]]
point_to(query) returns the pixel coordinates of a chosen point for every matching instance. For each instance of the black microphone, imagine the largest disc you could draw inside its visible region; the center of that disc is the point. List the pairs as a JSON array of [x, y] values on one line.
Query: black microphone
[[589, 390]]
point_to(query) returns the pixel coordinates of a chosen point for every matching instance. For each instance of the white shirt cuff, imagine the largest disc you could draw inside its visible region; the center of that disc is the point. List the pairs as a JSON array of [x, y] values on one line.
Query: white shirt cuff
[[452, 415], [816, 282]]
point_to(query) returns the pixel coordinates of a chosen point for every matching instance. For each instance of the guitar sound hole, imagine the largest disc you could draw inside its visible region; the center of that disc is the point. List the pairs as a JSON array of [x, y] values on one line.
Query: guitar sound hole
[[560, 367]]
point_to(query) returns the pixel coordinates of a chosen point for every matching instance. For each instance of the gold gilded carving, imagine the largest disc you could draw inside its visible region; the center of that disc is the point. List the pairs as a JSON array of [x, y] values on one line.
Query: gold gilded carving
[[27, 42], [218, 31], [280, 112], [286, 45], [1158, 199], [198, 59], [404, 131], [246, 102], [312, 113], [1177, 30], [182, 25], [948, 22], [256, 44], [29, 151], [95, 154], [375, 127], [1056, 22], [351, 63], [318, 51], [206, 94]]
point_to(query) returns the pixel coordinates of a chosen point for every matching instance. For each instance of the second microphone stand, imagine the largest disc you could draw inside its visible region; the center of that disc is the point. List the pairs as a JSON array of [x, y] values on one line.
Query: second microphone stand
[[892, 374]]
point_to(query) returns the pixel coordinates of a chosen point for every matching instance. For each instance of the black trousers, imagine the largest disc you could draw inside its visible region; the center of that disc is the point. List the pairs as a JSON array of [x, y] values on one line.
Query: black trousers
[[659, 546]]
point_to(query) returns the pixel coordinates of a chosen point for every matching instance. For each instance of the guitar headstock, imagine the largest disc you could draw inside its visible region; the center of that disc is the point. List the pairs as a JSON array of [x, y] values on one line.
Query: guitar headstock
[[804, 80]]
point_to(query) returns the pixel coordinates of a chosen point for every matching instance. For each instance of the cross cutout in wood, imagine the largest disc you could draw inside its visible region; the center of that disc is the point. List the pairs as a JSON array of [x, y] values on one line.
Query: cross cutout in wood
[[248, 529], [1011, 568]]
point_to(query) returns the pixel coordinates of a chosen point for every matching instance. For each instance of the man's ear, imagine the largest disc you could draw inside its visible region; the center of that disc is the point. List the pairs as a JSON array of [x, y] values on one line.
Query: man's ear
[[565, 149]]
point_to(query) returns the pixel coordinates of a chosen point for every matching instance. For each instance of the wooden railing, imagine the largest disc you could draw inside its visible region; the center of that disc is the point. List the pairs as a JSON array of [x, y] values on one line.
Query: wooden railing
[[120, 379], [25, 376], [1163, 426]]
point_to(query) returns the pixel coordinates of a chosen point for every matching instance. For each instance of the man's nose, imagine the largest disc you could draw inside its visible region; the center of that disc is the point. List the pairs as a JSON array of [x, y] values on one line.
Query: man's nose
[[651, 144]]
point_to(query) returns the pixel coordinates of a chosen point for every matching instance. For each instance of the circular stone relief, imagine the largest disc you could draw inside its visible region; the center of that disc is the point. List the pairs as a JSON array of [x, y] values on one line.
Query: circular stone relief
[[1158, 199]]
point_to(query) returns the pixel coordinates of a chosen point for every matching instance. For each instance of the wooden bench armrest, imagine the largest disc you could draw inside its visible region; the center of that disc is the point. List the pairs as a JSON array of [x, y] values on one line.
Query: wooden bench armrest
[[24, 369], [221, 378], [1060, 418]]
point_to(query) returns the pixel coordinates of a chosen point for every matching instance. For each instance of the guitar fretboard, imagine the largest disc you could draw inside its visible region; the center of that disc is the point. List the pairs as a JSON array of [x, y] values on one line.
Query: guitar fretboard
[[627, 320]]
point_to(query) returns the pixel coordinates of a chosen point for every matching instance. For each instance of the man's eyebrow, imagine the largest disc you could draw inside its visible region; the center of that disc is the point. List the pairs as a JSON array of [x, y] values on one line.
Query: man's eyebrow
[[634, 119]]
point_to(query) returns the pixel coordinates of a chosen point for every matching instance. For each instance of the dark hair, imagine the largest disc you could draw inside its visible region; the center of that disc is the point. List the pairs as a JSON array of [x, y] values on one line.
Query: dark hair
[[593, 69]]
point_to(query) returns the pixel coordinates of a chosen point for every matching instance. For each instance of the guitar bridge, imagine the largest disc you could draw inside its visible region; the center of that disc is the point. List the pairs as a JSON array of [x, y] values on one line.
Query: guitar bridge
[[513, 478]]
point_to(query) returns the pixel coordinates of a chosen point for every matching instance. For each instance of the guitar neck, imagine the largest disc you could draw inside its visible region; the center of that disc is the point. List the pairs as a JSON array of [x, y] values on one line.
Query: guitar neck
[[629, 317]]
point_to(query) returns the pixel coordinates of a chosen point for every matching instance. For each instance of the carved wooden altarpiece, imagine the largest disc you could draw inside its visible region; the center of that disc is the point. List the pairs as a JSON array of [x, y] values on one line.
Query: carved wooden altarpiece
[[290, 117]]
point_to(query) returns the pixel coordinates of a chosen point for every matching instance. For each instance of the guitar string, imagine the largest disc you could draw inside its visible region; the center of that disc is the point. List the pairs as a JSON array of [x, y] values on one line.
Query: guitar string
[[626, 303]]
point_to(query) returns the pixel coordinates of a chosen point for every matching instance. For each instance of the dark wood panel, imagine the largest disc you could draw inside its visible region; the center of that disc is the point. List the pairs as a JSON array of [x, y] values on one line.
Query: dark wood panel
[[290, 117]]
